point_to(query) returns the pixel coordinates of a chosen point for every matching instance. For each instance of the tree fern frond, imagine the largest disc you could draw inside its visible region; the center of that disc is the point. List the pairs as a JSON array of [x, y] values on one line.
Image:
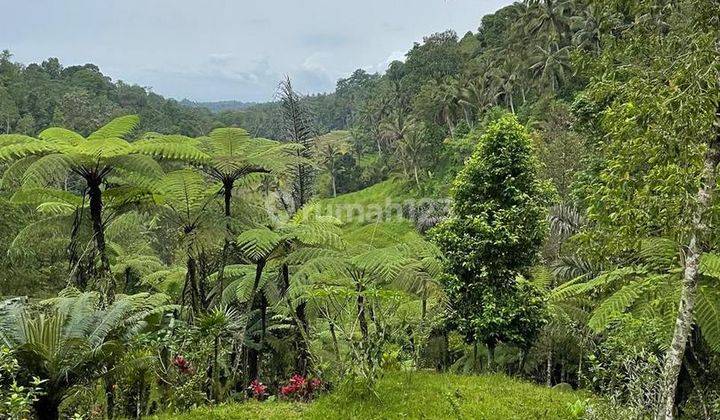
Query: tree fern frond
[[707, 315], [37, 196], [117, 128], [258, 243], [660, 253], [60, 135], [578, 286], [138, 164], [11, 139], [710, 265], [47, 170], [171, 147], [21, 150], [103, 148], [13, 175], [615, 305]]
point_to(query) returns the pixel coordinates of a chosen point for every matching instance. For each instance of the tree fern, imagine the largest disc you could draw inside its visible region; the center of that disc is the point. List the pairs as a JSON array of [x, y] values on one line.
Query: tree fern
[[707, 315], [616, 304]]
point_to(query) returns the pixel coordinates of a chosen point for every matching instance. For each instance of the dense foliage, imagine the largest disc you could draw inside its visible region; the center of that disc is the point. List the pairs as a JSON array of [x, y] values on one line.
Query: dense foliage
[[159, 256]]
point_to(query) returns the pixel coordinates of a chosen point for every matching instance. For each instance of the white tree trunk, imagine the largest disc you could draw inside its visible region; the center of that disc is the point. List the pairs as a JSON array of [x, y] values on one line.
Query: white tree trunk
[[684, 320]]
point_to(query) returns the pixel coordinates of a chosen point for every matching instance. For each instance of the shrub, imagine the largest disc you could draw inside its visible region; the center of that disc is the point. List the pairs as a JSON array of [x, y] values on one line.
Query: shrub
[[300, 388], [15, 400]]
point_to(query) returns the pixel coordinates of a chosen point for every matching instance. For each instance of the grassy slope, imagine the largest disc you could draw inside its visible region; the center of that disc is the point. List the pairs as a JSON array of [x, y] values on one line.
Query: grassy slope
[[416, 395], [358, 212]]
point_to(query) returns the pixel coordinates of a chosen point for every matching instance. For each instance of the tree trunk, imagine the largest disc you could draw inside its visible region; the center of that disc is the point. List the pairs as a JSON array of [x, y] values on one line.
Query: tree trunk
[[336, 348], [361, 313], [191, 283], [96, 207], [110, 398], [491, 356], [684, 320], [227, 196], [73, 256], [47, 407], [303, 352], [333, 176], [253, 364], [549, 367]]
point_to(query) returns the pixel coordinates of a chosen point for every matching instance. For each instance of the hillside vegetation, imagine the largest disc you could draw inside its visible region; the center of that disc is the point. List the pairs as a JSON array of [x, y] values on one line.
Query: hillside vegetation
[[534, 199]]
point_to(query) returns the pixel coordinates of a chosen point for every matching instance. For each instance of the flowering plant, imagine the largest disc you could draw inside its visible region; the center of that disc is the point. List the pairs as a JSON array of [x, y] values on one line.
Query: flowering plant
[[182, 364], [300, 388], [258, 389]]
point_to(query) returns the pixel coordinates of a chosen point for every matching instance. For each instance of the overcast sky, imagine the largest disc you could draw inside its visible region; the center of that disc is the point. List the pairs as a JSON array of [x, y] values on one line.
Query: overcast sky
[[216, 50]]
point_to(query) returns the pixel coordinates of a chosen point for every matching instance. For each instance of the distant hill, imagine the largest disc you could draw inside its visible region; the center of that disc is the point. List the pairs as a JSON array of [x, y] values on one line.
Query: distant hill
[[218, 105]]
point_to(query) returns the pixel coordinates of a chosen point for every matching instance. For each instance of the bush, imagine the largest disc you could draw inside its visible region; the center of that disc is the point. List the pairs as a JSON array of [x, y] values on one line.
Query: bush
[[15, 400]]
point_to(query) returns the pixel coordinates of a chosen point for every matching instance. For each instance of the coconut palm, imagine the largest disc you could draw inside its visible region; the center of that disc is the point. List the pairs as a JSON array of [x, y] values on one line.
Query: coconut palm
[[328, 148]]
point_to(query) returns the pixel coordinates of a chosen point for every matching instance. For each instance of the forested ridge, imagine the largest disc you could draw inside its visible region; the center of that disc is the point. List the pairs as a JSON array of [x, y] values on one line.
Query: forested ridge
[[536, 198]]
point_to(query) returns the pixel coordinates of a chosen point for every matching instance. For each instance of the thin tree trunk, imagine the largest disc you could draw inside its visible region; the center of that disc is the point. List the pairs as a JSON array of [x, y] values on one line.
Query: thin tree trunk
[[333, 176], [684, 320], [491, 356], [549, 367], [110, 398], [253, 364], [191, 283], [303, 352], [96, 207], [336, 348], [227, 197], [361, 313]]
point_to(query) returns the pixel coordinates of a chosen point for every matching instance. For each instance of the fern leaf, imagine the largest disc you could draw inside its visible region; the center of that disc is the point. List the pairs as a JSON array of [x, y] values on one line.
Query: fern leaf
[[615, 305], [707, 315], [117, 128]]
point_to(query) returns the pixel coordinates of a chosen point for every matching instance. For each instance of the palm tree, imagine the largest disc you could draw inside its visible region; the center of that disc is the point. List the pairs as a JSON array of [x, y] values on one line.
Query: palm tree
[[76, 342], [549, 20], [551, 65], [328, 148]]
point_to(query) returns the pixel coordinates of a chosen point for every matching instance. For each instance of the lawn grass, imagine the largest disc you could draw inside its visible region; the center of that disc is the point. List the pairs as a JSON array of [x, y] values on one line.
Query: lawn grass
[[416, 396]]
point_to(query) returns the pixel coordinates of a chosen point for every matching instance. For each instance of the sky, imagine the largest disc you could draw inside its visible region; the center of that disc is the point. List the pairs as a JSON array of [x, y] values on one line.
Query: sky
[[208, 50]]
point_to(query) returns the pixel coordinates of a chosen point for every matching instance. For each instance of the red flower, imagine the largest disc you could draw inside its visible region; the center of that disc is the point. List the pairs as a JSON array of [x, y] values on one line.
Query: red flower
[[300, 388], [182, 364], [297, 381], [259, 390]]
